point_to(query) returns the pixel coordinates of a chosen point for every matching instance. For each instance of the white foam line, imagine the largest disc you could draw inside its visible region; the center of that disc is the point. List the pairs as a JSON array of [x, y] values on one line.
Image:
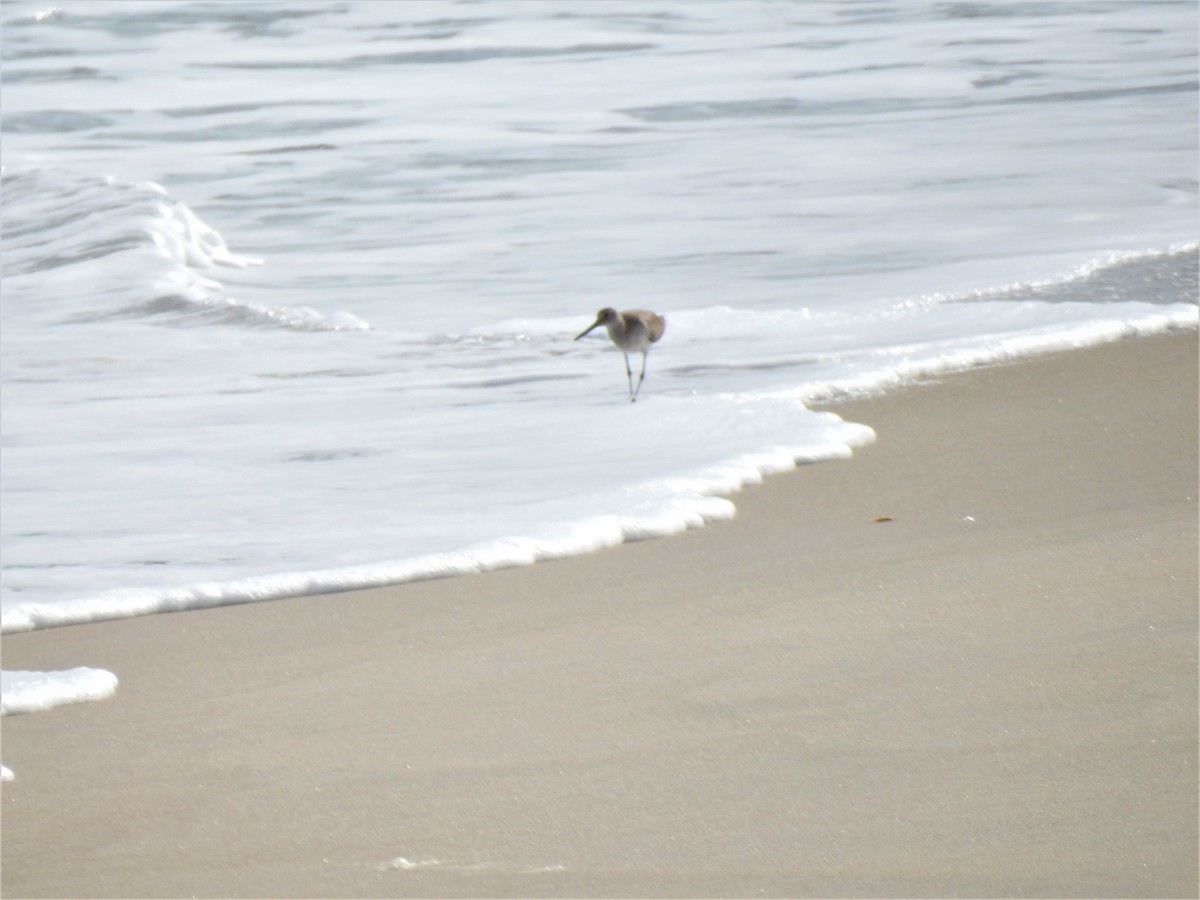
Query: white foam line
[[403, 864], [1007, 349], [694, 501]]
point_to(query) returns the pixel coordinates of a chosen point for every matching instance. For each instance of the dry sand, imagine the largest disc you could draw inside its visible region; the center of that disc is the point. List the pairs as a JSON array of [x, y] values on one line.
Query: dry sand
[[993, 694]]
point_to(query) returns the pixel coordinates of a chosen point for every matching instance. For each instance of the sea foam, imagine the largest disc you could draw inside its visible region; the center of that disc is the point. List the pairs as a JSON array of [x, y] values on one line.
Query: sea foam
[[290, 290]]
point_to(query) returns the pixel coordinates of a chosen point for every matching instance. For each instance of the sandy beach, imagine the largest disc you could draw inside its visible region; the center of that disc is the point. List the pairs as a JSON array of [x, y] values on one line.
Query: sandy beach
[[993, 693]]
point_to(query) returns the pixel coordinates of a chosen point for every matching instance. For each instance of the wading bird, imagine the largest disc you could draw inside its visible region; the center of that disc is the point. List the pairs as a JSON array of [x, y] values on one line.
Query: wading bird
[[630, 330]]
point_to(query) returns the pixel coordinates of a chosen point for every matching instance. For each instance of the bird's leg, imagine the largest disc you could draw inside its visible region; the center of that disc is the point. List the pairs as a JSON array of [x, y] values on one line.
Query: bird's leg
[[641, 378], [629, 375]]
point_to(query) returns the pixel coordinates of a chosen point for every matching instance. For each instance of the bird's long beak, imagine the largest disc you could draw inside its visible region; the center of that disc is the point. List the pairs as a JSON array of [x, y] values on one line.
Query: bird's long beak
[[588, 330]]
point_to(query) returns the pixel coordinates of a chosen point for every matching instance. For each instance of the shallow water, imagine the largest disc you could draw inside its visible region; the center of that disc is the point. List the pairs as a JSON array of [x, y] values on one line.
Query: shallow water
[[290, 288]]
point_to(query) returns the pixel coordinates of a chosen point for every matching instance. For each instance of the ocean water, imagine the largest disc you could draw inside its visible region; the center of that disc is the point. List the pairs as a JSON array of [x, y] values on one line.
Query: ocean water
[[290, 287]]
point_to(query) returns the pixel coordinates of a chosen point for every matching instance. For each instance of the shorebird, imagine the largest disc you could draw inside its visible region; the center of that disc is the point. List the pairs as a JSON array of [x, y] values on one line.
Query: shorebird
[[630, 330]]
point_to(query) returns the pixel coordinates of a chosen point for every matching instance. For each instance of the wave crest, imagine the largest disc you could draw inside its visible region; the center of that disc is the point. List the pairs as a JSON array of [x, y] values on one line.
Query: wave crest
[[119, 250]]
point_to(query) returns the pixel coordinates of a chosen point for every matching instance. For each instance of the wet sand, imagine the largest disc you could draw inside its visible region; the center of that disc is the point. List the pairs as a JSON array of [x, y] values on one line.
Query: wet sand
[[991, 694]]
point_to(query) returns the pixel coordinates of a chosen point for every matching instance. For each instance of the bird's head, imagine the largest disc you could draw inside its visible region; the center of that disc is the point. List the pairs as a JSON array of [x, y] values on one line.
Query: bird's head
[[606, 315]]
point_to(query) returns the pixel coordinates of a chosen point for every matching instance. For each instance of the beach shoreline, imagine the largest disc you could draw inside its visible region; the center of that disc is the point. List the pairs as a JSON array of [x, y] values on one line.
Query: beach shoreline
[[962, 663]]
